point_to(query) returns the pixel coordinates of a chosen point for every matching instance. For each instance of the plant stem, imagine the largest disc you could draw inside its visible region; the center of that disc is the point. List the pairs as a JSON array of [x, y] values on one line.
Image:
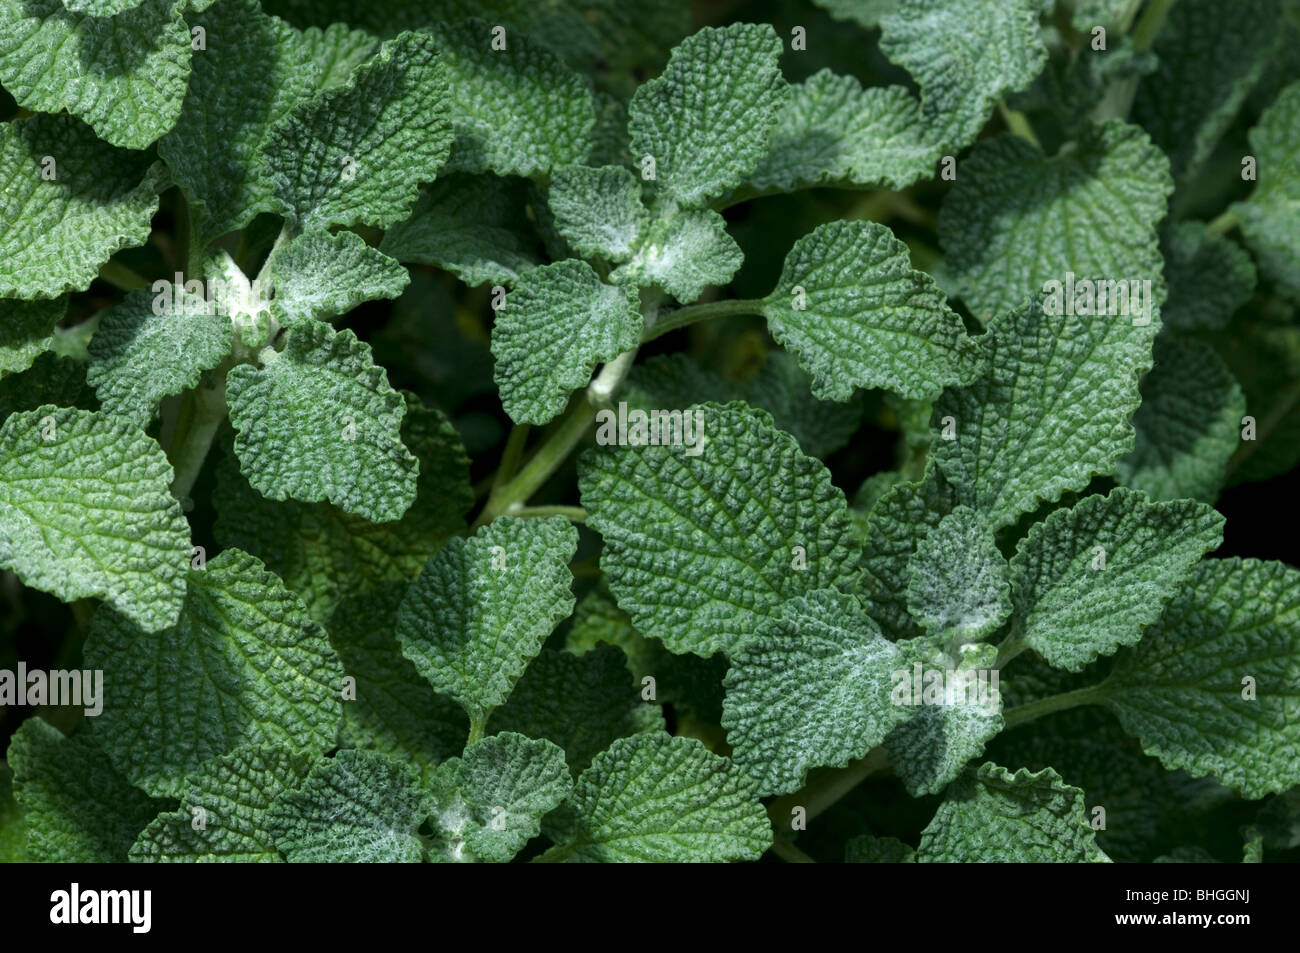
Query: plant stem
[[190, 256], [1009, 648], [1092, 695], [511, 455], [1019, 124], [120, 276], [196, 430], [74, 342], [1225, 222], [699, 312], [575, 514], [477, 728], [1286, 402], [1144, 34], [548, 458], [510, 496], [1118, 98], [816, 796]]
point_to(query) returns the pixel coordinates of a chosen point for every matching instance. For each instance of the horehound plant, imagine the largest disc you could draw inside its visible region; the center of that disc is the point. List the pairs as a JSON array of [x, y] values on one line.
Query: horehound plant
[[432, 423]]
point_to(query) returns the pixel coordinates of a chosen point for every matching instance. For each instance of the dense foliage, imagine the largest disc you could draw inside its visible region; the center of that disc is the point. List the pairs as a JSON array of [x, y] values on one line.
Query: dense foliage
[[594, 431]]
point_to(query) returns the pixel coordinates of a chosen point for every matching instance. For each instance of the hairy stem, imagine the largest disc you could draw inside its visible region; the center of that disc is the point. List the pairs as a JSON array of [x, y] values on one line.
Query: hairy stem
[[1092, 695], [74, 342], [197, 427], [820, 794], [1018, 124], [575, 514], [120, 276], [699, 312], [1285, 403], [1118, 98], [510, 456], [1225, 222], [548, 458], [510, 496], [477, 728], [1144, 34]]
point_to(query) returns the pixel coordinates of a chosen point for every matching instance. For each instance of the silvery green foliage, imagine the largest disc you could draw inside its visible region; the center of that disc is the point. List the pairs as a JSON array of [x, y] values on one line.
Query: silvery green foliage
[[615, 443]]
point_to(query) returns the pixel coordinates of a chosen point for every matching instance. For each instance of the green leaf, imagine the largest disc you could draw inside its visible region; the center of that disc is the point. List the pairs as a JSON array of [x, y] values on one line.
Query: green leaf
[[959, 582], [811, 688], [994, 816], [898, 522], [101, 8], [125, 75], [1013, 219], [691, 684], [558, 323], [79, 809], [1210, 58], [87, 513], [965, 55], [335, 51], [469, 225], [319, 422], [516, 111], [395, 711], [13, 822], [705, 145], [950, 720], [867, 849], [581, 702], [489, 803], [27, 331], [657, 798], [700, 550], [326, 555], [1234, 618], [1279, 821], [1090, 13], [245, 664], [146, 348], [1188, 424], [685, 253], [1269, 219], [780, 386], [598, 211], [248, 78], [1090, 578], [100, 200], [231, 795], [319, 275], [1191, 251], [482, 608], [833, 131], [356, 154], [1051, 411], [1148, 809], [857, 314], [784, 389], [357, 807], [931, 748]]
